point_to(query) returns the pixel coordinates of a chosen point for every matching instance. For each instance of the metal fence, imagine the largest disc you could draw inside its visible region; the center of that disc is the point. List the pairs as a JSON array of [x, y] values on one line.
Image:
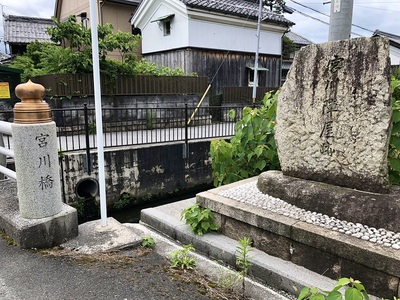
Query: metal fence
[[76, 128]]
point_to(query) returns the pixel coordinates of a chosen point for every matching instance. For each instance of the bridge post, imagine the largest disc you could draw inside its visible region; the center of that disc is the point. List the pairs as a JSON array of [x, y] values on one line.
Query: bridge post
[[36, 155], [38, 219]]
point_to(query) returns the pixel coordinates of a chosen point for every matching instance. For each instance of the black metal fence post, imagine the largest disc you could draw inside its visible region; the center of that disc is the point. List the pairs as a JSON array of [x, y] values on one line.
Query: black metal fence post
[[88, 160], [186, 146]]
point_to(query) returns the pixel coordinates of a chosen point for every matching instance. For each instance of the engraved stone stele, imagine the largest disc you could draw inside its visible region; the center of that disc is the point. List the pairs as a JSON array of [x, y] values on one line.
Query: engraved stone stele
[[36, 155], [332, 132], [334, 114]]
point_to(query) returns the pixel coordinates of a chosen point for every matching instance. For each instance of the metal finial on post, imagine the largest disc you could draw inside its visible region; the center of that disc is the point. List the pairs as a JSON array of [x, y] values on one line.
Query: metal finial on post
[[32, 109]]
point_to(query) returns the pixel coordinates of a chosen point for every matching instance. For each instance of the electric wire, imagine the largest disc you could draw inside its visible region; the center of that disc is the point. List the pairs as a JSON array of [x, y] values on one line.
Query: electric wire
[[321, 21], [358, 26]]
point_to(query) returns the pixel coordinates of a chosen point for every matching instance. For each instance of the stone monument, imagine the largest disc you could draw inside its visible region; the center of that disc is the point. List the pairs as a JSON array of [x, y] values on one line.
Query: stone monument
[[332, 133]]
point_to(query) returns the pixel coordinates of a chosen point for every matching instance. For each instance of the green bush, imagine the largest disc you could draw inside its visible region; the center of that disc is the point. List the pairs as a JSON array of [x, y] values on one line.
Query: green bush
[[354, 290], [394, 145], [252, 149]]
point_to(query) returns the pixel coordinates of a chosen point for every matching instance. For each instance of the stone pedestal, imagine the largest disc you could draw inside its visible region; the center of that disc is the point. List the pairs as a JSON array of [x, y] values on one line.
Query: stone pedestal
[[36, 163], [372, 209]]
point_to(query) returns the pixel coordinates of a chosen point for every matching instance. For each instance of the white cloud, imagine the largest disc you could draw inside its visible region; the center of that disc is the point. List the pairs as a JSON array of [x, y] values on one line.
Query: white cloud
[[30, 8]]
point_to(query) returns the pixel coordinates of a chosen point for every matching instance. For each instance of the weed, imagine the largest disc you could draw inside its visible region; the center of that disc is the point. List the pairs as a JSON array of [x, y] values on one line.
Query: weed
[[181, 259], [7, 238], [242, 259], [227, 279], [147, 241], [200, 220]]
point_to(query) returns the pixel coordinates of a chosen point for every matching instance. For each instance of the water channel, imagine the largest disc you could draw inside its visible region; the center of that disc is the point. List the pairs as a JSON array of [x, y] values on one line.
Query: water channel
[[132, 214]]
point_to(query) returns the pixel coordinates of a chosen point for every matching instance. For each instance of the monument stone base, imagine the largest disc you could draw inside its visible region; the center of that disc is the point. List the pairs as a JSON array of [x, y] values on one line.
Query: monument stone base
[[324, 251], [34, 233], [372, 209]]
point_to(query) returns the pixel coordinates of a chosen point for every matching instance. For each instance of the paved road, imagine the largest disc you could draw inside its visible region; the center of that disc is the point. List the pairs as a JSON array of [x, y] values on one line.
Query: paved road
[[29, 275]]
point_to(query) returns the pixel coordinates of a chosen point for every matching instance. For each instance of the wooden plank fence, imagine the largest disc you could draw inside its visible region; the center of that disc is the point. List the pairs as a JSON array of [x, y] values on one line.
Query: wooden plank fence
[[243, 94], [68, 85]]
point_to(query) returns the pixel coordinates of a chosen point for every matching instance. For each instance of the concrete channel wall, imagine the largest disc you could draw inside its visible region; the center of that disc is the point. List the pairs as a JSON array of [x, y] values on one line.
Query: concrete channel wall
[[140, 172]]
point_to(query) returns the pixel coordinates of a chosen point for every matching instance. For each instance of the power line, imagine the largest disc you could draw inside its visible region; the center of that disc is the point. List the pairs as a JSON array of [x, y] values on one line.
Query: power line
[[378, 8], [319, 20], [358, 26]]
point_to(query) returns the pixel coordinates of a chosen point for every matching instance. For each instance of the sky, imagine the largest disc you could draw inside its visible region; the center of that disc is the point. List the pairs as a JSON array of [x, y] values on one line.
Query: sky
[[368, 14]]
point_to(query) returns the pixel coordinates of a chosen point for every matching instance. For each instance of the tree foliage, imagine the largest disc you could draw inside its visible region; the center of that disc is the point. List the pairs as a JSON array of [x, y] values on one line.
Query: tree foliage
[[288, 47], [252, 149], [275, 5], [71, 52]]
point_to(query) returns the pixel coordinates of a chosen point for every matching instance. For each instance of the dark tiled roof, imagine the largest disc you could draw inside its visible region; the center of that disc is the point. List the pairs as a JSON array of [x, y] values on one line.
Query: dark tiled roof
[[127, 2], [394, 39], [242, 8], [24, 30], [298, 39]]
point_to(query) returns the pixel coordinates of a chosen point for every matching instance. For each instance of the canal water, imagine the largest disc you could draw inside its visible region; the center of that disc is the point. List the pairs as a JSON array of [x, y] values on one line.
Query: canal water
[[132, 214]]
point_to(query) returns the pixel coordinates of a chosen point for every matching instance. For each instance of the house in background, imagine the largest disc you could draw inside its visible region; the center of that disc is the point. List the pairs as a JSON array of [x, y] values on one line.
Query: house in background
[[394, 46], [215, 38], [116, 12], [20, 31], [299, 42]]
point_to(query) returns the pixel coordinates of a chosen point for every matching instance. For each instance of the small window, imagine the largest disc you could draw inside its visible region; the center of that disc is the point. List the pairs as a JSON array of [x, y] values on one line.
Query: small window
[[167, 27]]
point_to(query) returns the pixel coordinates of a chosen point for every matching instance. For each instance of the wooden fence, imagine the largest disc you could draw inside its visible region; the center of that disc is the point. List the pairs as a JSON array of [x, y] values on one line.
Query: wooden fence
[[69, 85], [243, 94]]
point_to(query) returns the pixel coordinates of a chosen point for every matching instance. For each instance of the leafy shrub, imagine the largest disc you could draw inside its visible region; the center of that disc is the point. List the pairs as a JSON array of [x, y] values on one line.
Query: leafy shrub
[[394, 146], [252, 149], [354, 290], [200, 220]]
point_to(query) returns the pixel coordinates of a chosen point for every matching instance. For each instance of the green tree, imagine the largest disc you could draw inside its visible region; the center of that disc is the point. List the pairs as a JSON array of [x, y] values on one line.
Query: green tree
[[69, 33], [288, 47], [275, 5], [71, 52]]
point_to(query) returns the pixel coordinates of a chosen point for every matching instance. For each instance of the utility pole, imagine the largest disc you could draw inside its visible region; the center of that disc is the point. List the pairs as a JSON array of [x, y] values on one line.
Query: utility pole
[[255, 82], [341, 19]]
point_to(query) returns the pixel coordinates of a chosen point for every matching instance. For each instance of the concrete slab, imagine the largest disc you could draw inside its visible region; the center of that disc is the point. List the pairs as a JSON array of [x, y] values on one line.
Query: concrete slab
[[93, 237], [34, 233]]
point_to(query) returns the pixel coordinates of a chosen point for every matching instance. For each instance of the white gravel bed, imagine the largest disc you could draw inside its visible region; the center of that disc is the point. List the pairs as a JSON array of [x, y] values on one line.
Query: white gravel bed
[[248, 193]]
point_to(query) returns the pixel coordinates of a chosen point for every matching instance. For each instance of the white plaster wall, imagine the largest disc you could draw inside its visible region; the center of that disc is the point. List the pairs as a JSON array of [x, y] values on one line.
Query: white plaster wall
[[203, 34], [153, 34], [394, 56]]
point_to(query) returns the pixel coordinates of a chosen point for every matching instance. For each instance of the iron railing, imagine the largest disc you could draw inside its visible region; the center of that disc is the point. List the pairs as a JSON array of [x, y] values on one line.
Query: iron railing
[[5, 146], [76, 128], [132, 126]]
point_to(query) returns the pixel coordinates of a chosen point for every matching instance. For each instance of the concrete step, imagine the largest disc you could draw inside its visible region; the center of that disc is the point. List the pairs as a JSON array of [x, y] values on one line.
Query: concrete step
[[270, 271]]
